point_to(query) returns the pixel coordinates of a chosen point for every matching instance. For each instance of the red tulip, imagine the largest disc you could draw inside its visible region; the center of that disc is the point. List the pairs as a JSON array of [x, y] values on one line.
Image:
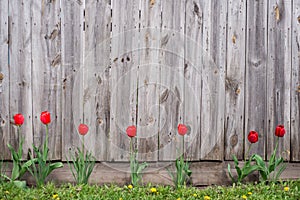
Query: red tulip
[[19, 119], [83, 129], [182, 129], [45, 117], [280, 131], [253, 136], [131, 131]]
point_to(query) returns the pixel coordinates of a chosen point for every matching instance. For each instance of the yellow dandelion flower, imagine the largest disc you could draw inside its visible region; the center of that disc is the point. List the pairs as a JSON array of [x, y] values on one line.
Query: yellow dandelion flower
[[120, 199], [178, 199], [153, 190], [195, 195], [130, 186], [249, 193], [55, 196], [286, 189], [206, 198], [6, 192], [244, 197]]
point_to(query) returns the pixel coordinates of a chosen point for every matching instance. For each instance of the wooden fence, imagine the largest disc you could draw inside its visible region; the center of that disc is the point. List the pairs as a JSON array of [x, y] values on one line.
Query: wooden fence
[[221, 67]]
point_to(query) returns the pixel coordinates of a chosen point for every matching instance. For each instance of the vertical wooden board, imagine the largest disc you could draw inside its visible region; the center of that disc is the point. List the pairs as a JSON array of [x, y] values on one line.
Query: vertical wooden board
[[213, 83], [124, 59], [20, 98], [235, 80], [4, 82], [96, 72], [171, 78], [295, 86], [72, 73], [193, 50], [148, 84], [46, 73], [256, 64], [279, 75]]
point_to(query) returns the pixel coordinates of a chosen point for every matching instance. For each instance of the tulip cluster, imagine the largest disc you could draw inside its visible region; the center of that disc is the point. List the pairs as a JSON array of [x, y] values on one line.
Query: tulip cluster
[[136, 168], [82, 163], [183, 172], [263, 168], [37, 166]]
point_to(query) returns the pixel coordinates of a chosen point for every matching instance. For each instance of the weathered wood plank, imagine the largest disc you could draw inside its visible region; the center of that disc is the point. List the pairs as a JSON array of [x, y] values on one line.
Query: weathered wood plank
[[4, 82], [256, 65], [204, 174], [20, 86], [171, 78], [213, 80], [235, 79], [124, 59], [72, 20], [148, 80], [192, 76], [96, 72], [295, 86], [279, 74], [46, 58]]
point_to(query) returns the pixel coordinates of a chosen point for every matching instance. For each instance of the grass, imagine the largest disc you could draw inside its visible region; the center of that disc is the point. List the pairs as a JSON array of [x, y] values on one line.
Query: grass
[[282, 190]]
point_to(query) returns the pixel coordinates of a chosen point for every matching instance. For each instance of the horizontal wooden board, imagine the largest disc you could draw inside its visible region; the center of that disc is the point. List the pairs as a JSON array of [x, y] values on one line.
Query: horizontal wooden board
[[204, 173]]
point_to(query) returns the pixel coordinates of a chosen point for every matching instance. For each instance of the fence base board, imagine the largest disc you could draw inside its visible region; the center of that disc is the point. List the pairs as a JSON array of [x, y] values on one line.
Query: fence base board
[[204, 173]]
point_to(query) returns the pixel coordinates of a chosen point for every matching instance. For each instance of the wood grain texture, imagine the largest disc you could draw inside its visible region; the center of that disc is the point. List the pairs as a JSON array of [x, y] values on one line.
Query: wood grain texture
[[148, 80], [46, 73], [72, 20], [256, 66], [20, 68], [124, 59], [171, 79], [4, 82], [235, 80], [213, 80], [279, 75], [295, 86], [96, 101], [193, 51]]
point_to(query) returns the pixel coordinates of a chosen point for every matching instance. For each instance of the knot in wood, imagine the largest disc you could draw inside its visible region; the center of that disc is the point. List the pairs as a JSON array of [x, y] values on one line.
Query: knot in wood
[[233, 140], [1, 76]]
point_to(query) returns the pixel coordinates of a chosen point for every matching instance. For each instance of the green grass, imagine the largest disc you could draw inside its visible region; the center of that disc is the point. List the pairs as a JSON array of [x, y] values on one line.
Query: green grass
[[282, 190]]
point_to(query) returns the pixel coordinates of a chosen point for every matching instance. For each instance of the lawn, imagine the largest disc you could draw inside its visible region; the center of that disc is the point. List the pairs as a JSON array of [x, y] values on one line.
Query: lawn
[[280, 190]]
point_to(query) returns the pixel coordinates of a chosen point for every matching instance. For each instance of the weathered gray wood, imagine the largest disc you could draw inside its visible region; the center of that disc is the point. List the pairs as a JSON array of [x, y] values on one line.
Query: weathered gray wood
[[124, 59], [46, 59], [256, 65], [20, 85], [148, 80], [213, 80], [4, 82], [72, 73], [96, 100], [192, 76], [235, 79], [295, 86], [171, 78], [279, 74], [204, 174]]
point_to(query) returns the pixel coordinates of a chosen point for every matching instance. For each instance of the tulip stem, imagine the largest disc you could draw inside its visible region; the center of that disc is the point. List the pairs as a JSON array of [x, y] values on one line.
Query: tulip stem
[[18, 131], [247, 154], [83, 144]]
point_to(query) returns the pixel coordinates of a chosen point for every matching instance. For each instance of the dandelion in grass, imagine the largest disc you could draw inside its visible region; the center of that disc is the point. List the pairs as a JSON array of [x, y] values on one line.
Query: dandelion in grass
[[244, 197], [153, 190], [55, 196], [195, 195], [6, 192], [286, 189], [249, 193], [206, 198], [129, 186]]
